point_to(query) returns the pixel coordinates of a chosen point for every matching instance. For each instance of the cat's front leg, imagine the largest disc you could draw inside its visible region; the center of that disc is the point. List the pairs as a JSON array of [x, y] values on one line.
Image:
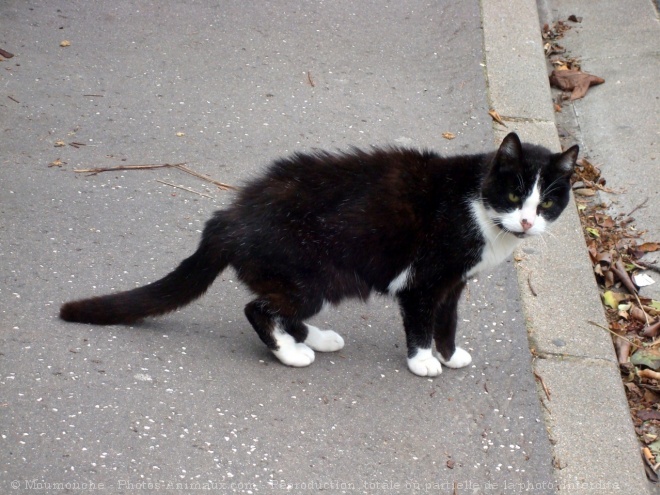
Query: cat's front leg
[[323, 340], [444, 330], [417, 312]]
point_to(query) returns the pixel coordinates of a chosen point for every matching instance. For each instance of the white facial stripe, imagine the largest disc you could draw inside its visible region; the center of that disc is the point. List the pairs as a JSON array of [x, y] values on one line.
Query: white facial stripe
[[513, 220], [530, 205]]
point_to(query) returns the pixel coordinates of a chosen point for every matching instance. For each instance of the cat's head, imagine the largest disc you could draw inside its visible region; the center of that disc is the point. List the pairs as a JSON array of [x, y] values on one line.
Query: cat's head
[[527, 186]]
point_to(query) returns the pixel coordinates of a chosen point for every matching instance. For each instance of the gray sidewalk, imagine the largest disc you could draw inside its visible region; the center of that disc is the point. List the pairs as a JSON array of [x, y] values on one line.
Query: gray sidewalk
[[587, 416], [617, 126], [192, 400]]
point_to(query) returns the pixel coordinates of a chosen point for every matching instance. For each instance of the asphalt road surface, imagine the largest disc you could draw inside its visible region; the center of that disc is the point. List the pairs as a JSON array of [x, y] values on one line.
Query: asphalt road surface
[[194, 397]]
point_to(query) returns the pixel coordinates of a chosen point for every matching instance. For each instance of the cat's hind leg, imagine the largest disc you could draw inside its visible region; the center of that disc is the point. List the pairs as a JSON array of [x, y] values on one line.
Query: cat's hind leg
[[275, 319], [291, 352]]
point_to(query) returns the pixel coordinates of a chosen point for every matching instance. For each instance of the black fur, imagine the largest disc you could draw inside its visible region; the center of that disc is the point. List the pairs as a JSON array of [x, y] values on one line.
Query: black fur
[[323, 227]]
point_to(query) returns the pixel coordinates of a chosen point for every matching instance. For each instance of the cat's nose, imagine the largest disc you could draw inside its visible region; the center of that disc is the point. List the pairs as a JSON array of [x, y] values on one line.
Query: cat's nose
[[526, 224]]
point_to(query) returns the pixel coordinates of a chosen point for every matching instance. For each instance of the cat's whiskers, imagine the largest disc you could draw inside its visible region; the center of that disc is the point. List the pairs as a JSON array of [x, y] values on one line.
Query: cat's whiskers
[[521, 183], [552, 186], [549, 233], [544, 241], [501, 233]]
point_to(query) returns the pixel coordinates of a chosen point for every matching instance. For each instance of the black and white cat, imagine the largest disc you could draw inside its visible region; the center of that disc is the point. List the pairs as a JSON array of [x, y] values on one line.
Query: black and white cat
[[321, 227]]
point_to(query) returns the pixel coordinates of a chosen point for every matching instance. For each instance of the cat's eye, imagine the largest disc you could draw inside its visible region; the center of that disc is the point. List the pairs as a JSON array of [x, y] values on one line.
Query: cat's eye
[[514, 198], [546, 204]]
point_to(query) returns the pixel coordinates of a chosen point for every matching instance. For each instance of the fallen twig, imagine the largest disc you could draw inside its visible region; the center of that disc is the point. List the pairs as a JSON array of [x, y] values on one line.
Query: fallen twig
[[543, 385], [310, 80], [179, 166], [641, 205], [221, 185], [13, 99], [614, 333], [94, 171], [184, 188], [647, 266], [648, 320]]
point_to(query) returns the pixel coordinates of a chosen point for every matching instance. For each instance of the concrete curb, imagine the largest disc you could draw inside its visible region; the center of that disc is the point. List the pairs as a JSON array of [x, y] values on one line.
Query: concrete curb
[[586, 414]]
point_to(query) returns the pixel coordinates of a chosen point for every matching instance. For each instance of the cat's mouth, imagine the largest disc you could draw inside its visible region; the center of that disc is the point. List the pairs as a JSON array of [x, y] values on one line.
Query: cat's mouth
[[519, 235]]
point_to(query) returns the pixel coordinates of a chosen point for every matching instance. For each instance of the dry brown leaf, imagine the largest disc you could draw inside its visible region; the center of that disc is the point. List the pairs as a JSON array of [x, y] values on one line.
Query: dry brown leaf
[[583, 191], [622, 348], [651, 397], [576, 81], [589, 171], [56, 163], [652, 330], [604, 220], [647, 414], [496, 117], [649, 247]]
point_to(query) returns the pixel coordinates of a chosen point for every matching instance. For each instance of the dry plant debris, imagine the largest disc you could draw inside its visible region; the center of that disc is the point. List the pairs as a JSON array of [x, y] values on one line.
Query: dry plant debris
[[178, 166], [567, 74], [616, 254], [496, 117], [56, 163], [576, 81]]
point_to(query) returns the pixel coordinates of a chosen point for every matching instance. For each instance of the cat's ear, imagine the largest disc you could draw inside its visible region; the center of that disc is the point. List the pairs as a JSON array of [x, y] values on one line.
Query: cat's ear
[[510, 152], [566, 161]]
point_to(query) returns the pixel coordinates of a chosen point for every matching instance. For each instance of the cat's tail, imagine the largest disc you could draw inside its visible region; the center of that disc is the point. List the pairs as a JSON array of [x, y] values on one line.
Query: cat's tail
[[187, 282]]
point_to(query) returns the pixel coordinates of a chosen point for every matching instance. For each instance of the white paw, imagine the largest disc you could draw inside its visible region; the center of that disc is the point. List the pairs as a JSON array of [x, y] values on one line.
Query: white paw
[[424, 363], [292, 353], [323, 340], [459, 359]]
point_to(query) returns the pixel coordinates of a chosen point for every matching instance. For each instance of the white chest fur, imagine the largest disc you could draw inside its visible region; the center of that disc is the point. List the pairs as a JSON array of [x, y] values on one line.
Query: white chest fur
[[499, 244]]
